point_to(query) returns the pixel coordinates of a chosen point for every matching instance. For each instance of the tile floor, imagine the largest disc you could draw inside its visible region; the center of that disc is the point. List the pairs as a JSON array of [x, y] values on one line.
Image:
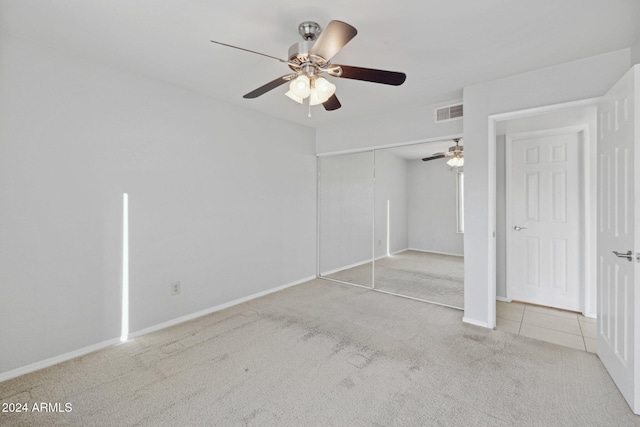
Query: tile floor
[[547, 324]]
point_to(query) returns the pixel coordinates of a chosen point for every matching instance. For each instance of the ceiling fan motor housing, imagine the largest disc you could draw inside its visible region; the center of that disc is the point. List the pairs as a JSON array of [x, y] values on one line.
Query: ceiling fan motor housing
[[299, 52]]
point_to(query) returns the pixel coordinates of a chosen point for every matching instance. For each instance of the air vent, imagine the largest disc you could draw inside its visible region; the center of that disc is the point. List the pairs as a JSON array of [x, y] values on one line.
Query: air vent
[[449, 112]]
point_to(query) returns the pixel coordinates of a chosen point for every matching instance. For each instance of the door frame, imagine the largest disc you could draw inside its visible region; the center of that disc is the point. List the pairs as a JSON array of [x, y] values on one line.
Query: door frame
[[585, 169], [493, 120]]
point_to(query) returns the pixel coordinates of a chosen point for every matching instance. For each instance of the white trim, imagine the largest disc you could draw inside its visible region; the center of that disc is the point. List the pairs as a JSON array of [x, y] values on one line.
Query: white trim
[[346, 283], [356, 264], [392, 293], [4, 376], [477, 323], [323, 274], [318, 207], [434, 252], [400, 251], [398, 144], [378, 258], [503, 299], [491, 225], [116, 341], [418, 299], [346, 267], [491, 171], [210, 310], [583, 103], [373, 223]]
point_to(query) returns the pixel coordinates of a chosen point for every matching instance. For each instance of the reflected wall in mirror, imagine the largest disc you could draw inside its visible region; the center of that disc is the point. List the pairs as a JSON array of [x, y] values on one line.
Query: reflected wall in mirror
[[418, 248], [345, 197]]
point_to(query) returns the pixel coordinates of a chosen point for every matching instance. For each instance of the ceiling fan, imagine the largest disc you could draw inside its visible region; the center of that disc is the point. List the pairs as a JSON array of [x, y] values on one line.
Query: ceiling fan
[[310, 58], [455, 152]]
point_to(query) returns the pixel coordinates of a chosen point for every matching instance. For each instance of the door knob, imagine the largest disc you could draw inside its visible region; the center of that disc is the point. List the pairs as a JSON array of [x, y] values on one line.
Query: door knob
[[518, 228], [628, 255]]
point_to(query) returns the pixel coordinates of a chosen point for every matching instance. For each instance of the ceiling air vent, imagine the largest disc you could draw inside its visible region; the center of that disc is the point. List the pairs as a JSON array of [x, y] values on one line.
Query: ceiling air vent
[[449, 112]]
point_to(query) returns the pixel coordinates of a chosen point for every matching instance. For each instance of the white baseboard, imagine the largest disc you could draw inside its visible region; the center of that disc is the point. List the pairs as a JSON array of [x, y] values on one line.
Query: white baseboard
[[95, 347], [56, 359], [400, 251], [346, 267], [356, 264], [210, 310], [476, 322], [503, 299], [434, 252]]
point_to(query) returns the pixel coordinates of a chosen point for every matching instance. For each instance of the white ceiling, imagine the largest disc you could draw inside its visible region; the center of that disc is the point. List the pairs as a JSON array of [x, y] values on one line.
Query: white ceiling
[[442, 46]]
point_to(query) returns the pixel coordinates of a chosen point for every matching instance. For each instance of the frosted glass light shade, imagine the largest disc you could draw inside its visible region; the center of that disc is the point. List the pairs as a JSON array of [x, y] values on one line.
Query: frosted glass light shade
[[319, 90], [314, 99], [324, 88], [300, 87], [291, 95], [456, 162]]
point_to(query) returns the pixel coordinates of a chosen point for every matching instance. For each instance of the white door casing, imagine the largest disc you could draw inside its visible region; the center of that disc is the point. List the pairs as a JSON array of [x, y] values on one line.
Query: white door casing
[[544, 218], [618, 197]]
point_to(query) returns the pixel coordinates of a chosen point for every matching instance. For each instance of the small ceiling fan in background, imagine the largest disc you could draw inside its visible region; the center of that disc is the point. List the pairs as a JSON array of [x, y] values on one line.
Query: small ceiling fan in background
[[455, 152], [311, 57]]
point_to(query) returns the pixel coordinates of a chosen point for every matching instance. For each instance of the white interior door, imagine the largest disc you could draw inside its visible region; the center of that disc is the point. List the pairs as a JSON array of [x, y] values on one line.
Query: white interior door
[[617, 204], [544, 261]]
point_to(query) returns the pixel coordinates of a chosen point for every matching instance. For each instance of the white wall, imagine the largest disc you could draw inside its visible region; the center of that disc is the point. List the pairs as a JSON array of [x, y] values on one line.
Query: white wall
[[391, 185], [346, 210], [432, 208], [635, 53], [575, 80], [403, 126], [221, 198]]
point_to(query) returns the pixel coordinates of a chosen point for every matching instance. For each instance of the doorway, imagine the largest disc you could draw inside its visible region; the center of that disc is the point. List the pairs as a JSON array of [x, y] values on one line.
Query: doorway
[[544, 211], [566, 132]]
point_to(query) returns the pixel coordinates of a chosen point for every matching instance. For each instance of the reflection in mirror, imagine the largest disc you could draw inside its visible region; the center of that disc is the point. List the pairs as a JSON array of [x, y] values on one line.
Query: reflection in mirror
[[418, 245], [345, 197]]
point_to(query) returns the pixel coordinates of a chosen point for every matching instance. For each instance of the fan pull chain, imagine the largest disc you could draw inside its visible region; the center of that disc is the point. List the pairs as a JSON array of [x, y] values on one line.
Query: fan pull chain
[[309, 108]]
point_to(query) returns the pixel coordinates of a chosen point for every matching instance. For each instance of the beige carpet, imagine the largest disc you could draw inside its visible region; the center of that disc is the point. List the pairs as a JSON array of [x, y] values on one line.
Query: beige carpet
[[428, 276], [321, 354]]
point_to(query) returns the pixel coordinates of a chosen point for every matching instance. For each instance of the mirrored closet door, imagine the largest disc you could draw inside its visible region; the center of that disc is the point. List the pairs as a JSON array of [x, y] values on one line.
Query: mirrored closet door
[[391, 221], [419, 252], [345, 198]]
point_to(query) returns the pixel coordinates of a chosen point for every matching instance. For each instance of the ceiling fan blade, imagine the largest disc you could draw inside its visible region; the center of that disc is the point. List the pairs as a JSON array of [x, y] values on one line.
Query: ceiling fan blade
[[393, 78], [433, 157], [257, 53], [269, 86], [332, 39], [332, 103]]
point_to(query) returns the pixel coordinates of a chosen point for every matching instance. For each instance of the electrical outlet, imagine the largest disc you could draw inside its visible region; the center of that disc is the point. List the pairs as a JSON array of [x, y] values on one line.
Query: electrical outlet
[[176, 287]]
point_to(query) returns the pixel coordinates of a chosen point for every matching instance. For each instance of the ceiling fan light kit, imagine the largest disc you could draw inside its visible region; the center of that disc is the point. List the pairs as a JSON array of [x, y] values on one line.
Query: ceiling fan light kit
[[317, 89], [311, 57], [456, 162], [455, 152]]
